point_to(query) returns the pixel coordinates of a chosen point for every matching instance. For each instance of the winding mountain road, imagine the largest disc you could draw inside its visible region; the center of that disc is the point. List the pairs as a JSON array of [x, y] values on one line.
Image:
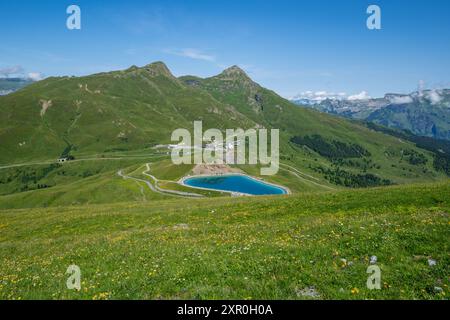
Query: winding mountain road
[[155, 187], [45, 162]]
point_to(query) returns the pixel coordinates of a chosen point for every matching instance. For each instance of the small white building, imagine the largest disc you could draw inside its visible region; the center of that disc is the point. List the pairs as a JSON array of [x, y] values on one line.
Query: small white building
[[62, 160]]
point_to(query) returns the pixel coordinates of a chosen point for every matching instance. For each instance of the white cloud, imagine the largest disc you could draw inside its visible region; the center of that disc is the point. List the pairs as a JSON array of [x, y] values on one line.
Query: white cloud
[[319, 96], [401, 99], [421, 85], [35, 76], [6, 72], [192, 54], [19, 71], [434, 96], [363, 95]]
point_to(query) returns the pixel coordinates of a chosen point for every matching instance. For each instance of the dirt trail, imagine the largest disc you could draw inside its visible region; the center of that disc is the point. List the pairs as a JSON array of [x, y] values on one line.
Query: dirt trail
[[309, 178], [155, 187], [44, 162]]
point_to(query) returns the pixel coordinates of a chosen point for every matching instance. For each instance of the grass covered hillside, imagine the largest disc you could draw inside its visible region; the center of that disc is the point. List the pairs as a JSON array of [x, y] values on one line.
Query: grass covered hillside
[[117, 111], [310, 246], [122, 115]]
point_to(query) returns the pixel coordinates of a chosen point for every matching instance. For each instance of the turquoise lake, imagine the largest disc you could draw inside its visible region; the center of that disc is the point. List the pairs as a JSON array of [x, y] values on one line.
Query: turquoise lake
[[234, 183]]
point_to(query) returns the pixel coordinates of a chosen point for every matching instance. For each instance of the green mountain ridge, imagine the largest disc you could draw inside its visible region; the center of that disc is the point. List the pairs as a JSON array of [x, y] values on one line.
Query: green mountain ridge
[[131, 111], [421, 115]]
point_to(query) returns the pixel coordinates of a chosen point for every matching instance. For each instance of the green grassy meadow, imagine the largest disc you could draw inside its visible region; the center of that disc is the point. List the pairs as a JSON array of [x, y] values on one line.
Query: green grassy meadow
[[117, 211], [248, 248]]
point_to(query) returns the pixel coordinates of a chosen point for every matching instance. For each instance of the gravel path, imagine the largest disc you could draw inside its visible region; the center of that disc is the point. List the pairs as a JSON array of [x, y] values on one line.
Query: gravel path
[[155, 187]]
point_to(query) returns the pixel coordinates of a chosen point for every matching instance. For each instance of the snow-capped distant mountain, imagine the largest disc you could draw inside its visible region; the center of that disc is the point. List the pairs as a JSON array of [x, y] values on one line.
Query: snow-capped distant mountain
[[304, 101], [424, 112], [9, 85]]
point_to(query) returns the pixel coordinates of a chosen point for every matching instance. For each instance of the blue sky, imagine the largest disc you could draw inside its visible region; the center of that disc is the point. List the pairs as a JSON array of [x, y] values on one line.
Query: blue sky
[[288, 46]]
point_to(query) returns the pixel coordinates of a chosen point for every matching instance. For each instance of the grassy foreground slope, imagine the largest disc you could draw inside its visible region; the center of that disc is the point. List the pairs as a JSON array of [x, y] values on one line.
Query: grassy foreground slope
[[252, 248]]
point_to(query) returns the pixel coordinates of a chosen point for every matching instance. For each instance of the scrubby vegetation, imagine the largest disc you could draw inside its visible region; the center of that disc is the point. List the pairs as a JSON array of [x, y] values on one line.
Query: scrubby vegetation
[[341, 177], [24, 179], [442, 163], [363, 164], [439, 148], [413, 157], [331, 149]]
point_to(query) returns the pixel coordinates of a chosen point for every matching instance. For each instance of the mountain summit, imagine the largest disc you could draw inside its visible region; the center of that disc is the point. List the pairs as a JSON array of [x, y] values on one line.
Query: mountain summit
[[234, 73], [158, 68]]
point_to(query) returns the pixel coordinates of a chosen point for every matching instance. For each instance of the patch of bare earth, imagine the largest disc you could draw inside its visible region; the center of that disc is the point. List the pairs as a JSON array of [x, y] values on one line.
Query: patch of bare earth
[[45, 104], [214, 169]]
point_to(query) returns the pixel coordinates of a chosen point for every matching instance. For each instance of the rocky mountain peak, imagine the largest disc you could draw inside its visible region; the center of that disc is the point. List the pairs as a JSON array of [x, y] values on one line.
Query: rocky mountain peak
[[158, 68], [234, 72]]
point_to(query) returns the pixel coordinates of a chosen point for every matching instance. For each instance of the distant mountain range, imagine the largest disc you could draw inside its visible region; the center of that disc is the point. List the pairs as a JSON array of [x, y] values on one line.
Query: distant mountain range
[[424, 113], [9, 85]]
